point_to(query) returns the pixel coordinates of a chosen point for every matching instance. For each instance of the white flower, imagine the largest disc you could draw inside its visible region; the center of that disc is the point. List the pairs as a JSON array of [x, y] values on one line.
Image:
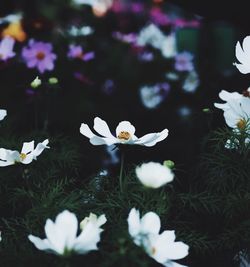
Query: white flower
[[62, 236], [161, 247], [152, 35], [243, 55], [80, 31], [140, 228], [236, 109], [0, 236], [168, 46], [3, 114], [6, 48], [191, 82], [154, 175], [27, 155], [125, 134], [150, 96]]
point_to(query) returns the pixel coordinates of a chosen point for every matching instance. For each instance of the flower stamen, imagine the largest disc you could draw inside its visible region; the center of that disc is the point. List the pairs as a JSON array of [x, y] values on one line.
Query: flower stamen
[[23, 156], [40, 55], [123, 135], [241, 124]]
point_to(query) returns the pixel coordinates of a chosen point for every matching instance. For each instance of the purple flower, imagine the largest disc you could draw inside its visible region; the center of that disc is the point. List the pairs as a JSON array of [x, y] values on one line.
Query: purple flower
[[76, 51], [39, 55], [6, 48], [184, 62]]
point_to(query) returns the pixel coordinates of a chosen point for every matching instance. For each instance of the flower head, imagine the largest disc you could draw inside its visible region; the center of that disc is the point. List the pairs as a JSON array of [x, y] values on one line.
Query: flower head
[[3, 114], [236, 109], [153, 96], [39, 55], [243, 55], [184, 62], [191, 83], [62, 236], [6, 48], [76, 51], [26, 156], [161, 247], [125, 134], [154, 175]]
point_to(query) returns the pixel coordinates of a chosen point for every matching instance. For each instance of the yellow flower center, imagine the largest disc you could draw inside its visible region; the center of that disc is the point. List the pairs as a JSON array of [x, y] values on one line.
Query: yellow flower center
[[123, 135], [23, 156], [40, 55], [241, 124]]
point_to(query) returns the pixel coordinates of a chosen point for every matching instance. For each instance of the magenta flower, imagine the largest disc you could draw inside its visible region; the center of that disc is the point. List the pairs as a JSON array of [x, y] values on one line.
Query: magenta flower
[[39, 55], [76, 51], [6, 48], [184, 62]]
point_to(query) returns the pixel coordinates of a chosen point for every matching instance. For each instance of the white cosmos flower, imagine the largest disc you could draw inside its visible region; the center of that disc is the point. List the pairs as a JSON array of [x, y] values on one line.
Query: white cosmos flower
[[152, 35], [154, 175], [161, 247], [140, 228], [62, 236], [125, 134], [243, 55], [3, 114], [27, 155], [236, 109]]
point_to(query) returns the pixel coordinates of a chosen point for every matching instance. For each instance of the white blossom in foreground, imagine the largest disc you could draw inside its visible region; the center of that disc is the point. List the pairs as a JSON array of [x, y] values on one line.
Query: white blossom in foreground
[[3, 114], [236, 109], [154, 174], [243, 55], [125, 134], [161, 247], [62, 236], [27, 155]]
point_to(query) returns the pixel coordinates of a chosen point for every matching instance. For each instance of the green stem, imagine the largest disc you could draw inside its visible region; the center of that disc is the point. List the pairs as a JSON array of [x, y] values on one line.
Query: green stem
[[121, 172]]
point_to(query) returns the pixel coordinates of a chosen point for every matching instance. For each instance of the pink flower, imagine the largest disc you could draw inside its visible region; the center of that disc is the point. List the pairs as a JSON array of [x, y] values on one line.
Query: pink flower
[[39, 55], [6, 48], [184, 62]]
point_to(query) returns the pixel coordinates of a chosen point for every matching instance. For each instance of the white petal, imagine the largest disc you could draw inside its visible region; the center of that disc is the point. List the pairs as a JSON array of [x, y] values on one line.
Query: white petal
[[173, 264], [150, 223], [97, 141], [125, 126], [244, 69], [54, 238], [240, 55], [66, 225], [88, 239], [3, 113], [224, 95], [39, 243], [40, 147], [27, 147], [85, 130], [134, 224], [153, 138], [29, 158], [102, 128], [101, 220], [246, 46]]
